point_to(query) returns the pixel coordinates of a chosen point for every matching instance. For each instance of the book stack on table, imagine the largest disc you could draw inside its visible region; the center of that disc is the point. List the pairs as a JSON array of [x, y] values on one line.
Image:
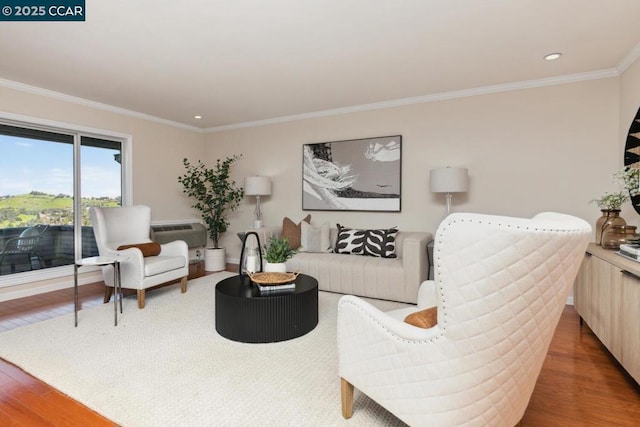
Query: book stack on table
[[285, 288], [630, 251], [272, 283]]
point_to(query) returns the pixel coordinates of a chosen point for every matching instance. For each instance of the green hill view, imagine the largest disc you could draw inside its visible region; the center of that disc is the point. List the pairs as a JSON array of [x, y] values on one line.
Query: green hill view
[[41, 208]]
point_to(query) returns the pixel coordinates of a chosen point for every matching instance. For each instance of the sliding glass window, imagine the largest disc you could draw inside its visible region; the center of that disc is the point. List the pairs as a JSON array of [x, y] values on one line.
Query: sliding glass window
[[46, 177]]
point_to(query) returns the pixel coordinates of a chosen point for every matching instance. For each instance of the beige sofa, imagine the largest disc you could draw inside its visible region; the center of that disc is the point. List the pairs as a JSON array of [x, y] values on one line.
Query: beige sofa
[[395, 279]]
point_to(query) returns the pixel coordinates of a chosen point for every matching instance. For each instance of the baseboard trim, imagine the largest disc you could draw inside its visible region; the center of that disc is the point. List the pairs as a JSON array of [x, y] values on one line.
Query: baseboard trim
[[34, 288]]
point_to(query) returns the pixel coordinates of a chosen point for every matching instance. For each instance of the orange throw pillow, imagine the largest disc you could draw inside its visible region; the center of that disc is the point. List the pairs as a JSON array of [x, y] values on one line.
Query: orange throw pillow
[[424, 318], [292, 231], [148, 249]]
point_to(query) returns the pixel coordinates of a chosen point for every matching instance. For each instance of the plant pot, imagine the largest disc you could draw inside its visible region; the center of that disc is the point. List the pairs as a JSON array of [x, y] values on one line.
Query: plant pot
[[215, 259], [275, 267]]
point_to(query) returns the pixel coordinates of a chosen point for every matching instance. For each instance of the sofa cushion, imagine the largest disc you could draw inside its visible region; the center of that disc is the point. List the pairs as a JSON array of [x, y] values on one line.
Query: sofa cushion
[[161, 264], [291, 231], [367, 276], [315, 238], [379, 243]]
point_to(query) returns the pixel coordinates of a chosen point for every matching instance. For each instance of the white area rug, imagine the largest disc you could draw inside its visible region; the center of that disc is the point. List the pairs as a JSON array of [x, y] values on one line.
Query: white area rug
[[167, 366]]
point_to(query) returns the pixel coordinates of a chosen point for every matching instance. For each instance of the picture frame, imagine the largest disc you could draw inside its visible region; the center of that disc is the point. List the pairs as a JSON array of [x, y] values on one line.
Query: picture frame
[[353, 175]]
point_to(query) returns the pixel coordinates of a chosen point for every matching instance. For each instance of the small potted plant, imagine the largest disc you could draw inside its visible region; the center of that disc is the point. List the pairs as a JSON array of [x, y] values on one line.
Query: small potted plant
[[216, 195], [276, 253]]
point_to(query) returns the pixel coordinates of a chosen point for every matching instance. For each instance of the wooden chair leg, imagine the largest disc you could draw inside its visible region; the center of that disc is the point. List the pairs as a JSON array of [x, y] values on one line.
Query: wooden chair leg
[[141, 298], [346, 389], [183, 284], [108, 291]]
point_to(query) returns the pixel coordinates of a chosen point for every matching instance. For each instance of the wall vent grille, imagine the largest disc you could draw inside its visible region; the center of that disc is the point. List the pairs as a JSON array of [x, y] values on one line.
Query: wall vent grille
[[195, 234]]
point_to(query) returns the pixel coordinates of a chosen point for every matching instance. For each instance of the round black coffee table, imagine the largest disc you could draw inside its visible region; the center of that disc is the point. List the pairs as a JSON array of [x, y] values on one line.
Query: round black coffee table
[[242, 314]]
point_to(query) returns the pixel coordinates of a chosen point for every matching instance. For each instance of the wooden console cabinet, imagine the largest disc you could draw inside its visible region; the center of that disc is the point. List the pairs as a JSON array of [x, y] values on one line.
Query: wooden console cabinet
[[607, 298]]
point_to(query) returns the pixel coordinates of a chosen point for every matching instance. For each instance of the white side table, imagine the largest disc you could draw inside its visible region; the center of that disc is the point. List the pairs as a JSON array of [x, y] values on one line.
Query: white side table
[[99, 261]]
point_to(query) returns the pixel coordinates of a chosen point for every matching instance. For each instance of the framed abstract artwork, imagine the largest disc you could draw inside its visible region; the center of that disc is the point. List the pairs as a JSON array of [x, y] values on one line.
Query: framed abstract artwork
[[632, 153], [353, 175]]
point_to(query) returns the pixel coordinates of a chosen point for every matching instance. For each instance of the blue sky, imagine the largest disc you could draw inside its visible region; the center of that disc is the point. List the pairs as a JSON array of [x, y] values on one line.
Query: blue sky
[[32, 165]]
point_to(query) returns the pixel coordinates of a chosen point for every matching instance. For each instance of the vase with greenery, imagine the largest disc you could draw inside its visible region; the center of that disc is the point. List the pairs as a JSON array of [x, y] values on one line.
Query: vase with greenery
[[276, 253], [215, 193], [609, 218], [609, 205]]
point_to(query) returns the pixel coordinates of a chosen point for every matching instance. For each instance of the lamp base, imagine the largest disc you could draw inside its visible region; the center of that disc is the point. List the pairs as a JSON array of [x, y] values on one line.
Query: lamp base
[[257, 223], [448, 198]]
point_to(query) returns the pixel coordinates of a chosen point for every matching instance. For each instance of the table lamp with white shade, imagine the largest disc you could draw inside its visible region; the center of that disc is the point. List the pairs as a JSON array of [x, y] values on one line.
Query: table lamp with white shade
[[449, 180], [257, 186]]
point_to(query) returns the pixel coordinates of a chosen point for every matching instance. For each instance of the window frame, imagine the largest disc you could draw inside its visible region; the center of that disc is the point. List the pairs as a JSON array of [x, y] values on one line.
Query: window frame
[[76, 131]]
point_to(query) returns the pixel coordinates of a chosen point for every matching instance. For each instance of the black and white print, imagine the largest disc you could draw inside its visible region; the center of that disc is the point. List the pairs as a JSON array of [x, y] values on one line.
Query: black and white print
[[632, 153], [354, 175]]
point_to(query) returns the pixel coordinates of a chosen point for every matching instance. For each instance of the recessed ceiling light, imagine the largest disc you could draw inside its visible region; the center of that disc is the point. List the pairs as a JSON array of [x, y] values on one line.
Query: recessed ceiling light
[[552, 56], [197, 117]]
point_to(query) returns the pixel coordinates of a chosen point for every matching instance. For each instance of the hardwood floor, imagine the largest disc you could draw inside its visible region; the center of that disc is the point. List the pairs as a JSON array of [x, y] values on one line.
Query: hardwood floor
[[580, 383], [25, 400]]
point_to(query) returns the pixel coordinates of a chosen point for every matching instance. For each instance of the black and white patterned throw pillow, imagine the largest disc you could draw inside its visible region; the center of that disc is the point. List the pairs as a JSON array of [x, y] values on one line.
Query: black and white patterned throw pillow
[[379, 243]]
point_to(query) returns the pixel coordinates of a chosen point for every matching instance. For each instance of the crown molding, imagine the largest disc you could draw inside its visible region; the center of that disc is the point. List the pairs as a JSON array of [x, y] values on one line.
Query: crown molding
[[9, 84], [629, 59], [483, 90]]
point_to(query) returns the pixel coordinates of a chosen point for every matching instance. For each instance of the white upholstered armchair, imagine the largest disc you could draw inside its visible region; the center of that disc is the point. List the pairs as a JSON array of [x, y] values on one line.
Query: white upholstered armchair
[[500, 287], [123, 226]]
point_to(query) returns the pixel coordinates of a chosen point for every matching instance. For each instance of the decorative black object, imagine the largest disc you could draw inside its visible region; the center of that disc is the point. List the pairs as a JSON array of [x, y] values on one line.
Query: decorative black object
[[632, 153], [243, 262], [354, 175], [243, 314]]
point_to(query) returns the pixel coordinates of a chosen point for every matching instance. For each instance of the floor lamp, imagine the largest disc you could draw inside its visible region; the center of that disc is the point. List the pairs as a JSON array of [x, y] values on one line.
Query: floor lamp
[[449, 180], [257, 186]]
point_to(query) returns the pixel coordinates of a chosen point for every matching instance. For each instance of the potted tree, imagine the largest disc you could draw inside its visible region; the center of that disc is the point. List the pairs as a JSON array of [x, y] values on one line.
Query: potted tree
[[276, 253], [216, 195]]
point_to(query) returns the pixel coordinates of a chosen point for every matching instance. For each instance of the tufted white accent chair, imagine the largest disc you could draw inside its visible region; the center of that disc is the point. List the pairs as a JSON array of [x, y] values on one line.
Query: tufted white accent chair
[[114, 227], [500, 287]]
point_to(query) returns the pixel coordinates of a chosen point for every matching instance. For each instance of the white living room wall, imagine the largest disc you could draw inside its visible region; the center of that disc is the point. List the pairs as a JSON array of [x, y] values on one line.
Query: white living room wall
[[530, 150]]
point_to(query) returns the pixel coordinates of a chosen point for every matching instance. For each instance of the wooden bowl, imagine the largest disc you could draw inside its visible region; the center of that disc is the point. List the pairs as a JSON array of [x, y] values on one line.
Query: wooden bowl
[[272, 278]]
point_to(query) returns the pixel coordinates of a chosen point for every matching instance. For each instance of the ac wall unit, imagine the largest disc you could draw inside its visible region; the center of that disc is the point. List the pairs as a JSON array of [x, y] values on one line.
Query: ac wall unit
[[195, 234]]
